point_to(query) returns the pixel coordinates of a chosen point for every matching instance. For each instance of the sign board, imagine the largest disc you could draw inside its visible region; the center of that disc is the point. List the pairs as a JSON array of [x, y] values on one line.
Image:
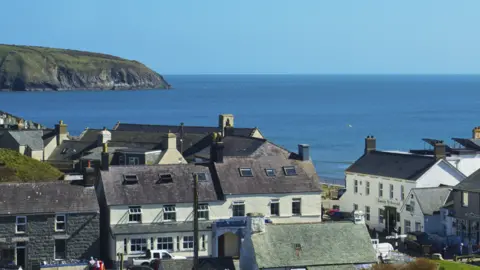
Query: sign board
[[388, 202]]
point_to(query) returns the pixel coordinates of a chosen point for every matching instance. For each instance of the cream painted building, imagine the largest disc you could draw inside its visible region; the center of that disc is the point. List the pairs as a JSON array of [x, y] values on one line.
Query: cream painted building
[[378, 182]]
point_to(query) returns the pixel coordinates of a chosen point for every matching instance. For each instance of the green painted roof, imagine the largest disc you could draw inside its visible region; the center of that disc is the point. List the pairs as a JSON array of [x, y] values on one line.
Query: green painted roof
[[322, 244]]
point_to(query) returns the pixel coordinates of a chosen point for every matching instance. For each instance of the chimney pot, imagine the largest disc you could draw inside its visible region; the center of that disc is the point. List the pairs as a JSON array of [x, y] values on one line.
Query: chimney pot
[[370, 144]]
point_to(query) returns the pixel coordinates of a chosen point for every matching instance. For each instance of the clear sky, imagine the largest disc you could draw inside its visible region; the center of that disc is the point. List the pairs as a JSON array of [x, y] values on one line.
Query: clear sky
[[259, 36]]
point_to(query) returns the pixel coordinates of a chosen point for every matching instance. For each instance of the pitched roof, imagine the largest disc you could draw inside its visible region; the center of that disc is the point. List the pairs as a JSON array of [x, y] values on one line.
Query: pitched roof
[[471, 183], [431, 200], [30, 138], [322, 244], [232, 182], [70, 150], [178, 129], [234, 146], [146, 191], [394, 165], [222, 263], [49, 197]]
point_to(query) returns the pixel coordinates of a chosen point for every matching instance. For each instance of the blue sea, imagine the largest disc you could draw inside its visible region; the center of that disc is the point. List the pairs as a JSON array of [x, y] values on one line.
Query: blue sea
[[331, 113]]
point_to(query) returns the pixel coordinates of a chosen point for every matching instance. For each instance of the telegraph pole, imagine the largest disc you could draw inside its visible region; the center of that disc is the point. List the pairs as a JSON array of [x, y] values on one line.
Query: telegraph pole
[[195, 222]]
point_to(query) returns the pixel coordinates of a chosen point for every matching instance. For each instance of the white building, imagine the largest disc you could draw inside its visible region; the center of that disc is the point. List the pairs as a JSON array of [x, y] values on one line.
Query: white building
[[378, 182], [151, 207]]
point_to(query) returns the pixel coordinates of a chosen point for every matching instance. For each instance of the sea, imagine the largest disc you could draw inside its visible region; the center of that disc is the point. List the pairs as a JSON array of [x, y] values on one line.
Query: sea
[[331, 113]]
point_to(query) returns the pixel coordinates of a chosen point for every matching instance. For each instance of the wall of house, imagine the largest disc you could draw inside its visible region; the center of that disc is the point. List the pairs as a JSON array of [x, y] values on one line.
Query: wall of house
[[467, 164], [447, 223], [37, 154], [257, 134], [82, 234], [462, 212], [415, 216], [171, 156], [440, 173], [433, 224], [48, 149]]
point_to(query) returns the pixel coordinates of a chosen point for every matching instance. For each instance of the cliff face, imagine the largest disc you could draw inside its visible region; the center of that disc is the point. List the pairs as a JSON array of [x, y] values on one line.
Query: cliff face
[[27, 68]]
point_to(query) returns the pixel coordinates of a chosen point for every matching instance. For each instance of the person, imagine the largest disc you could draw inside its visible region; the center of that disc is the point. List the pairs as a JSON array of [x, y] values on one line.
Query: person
[[461, 248], [91, 262]]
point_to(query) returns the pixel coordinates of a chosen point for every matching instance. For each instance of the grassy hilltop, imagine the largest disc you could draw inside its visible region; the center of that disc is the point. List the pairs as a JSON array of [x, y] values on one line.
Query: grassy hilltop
[[39, 68], [15, 167]]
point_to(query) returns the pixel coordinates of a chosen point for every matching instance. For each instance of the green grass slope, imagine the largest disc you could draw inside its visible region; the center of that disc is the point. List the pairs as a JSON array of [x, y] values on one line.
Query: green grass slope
[[15, 167], [41, 68]]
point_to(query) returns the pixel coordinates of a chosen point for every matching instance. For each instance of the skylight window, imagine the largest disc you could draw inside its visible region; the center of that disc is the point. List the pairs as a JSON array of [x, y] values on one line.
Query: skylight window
[[201, 176], [64, 150], [165, 178], [297, 246], [270, 172], [129, 179], [246, 172], [289, 170]]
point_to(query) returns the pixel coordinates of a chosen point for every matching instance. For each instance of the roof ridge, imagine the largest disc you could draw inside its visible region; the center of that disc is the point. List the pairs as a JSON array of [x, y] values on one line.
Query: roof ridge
[[401, 154], [177, 125]]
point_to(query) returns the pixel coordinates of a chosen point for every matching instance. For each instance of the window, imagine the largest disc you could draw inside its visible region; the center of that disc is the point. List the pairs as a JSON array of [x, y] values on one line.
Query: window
[[165, 243], [407, 226], [125, 246], [402, 193], [355, 207], [166, 256], [129, 179], [296, 207], [238, 209], [367, 188], [21, 225], [246, 172], [135, 214], [270, 172], [275, 207], [367, 212], [355, 186], [203, 211], [60, 223], [60, 249], [133, 161], [188, 242], [380, 190], [178, 242], [391, 191], [151, 243], [165, 178], [465, 199], [380, 215], [412, 206], [204, 242], [121, 160], [138, 245], [418, 226], [201, 176], [289, 170], [169, 213]]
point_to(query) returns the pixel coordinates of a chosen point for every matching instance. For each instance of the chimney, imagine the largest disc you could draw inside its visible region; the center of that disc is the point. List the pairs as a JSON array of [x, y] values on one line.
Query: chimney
[[304, 152], [170, 141], [229, 131], [440, 150], [61, 131], [89, 176], [255, 223], [20, 124], [476, 133], [105, 159], [216, 152], [370, 144], [225, 120], [104, 137], [358, 217]]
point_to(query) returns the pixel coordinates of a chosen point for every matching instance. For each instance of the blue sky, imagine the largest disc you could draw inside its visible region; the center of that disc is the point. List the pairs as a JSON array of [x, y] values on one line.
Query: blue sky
[[259, 36]]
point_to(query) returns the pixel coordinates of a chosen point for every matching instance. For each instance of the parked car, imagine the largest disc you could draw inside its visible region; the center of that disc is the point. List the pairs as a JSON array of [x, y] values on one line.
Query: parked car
[[154, 254], [416, 241], [140, 267]]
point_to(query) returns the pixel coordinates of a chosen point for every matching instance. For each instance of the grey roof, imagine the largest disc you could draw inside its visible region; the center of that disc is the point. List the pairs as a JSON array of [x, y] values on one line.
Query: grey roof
[[146, 191], [178, 129], [139, 228], [235, 146], [472, 144], [431, 200], [220, 263], [394, 165], [471, 183], [32, 138], [322, 244], [70, 150], [49, 197], [232, 182]]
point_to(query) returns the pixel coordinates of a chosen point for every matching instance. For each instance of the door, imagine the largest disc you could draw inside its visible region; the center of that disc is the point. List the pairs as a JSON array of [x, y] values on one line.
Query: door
[[221, 245], [21, 255]]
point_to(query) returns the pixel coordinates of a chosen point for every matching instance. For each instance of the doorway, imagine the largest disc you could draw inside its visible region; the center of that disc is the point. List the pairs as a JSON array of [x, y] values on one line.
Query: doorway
[[21, 254], [221, 246], [391, 219]]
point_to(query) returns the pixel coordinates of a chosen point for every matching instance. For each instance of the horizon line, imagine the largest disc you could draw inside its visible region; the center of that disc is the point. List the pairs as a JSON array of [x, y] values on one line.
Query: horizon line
[[321, 74]]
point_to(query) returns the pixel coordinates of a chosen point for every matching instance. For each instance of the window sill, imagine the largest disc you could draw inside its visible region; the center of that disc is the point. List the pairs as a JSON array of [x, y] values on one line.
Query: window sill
[[20, 233]]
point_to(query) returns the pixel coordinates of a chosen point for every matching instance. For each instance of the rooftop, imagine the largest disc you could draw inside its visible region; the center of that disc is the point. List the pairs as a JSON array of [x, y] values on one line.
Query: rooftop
[[471, 183], [430, 200]]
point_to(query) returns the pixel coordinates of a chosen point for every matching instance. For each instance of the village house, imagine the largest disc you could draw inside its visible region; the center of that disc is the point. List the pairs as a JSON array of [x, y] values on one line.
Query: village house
[[379, 181], [48, 222], [420, 211], [331, 245], [447, 215], [151, 207]]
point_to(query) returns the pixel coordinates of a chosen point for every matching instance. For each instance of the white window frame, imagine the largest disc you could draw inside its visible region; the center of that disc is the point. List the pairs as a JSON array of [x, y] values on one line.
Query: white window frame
[[203, 209], [464, 198], [275, 201], [391, 191], [409, 227], [381, 213], [136, 161], [142, 243], [134, 211], [163, 242], [355, 186], [380, 190], [189, 240], [169, 210], [402, 192], [17, 224], [299, 201], [355, 207], [238, 203], [64, 222], [367, 213], [367, 187], [418, 226]]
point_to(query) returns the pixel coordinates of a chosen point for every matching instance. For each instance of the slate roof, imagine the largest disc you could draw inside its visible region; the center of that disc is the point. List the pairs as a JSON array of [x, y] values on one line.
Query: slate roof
[[322, 244], [232, 182], [431, 200], [32, 138], [235, 146], [70, 150], [394, 165], [49, 197], [178, 129], [220, 263], [139, 228], [146, 191], [471, 183]]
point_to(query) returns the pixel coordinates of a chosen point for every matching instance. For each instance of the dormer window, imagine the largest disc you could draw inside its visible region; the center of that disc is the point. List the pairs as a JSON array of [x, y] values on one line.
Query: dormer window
[[270, 172], [246, 172], [289, 170], [130, 179], [165, 179], [201, 176]]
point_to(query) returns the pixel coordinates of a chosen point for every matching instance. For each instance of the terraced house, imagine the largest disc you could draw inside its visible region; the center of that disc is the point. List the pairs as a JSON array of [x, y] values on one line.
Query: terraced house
[[151, 207]]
